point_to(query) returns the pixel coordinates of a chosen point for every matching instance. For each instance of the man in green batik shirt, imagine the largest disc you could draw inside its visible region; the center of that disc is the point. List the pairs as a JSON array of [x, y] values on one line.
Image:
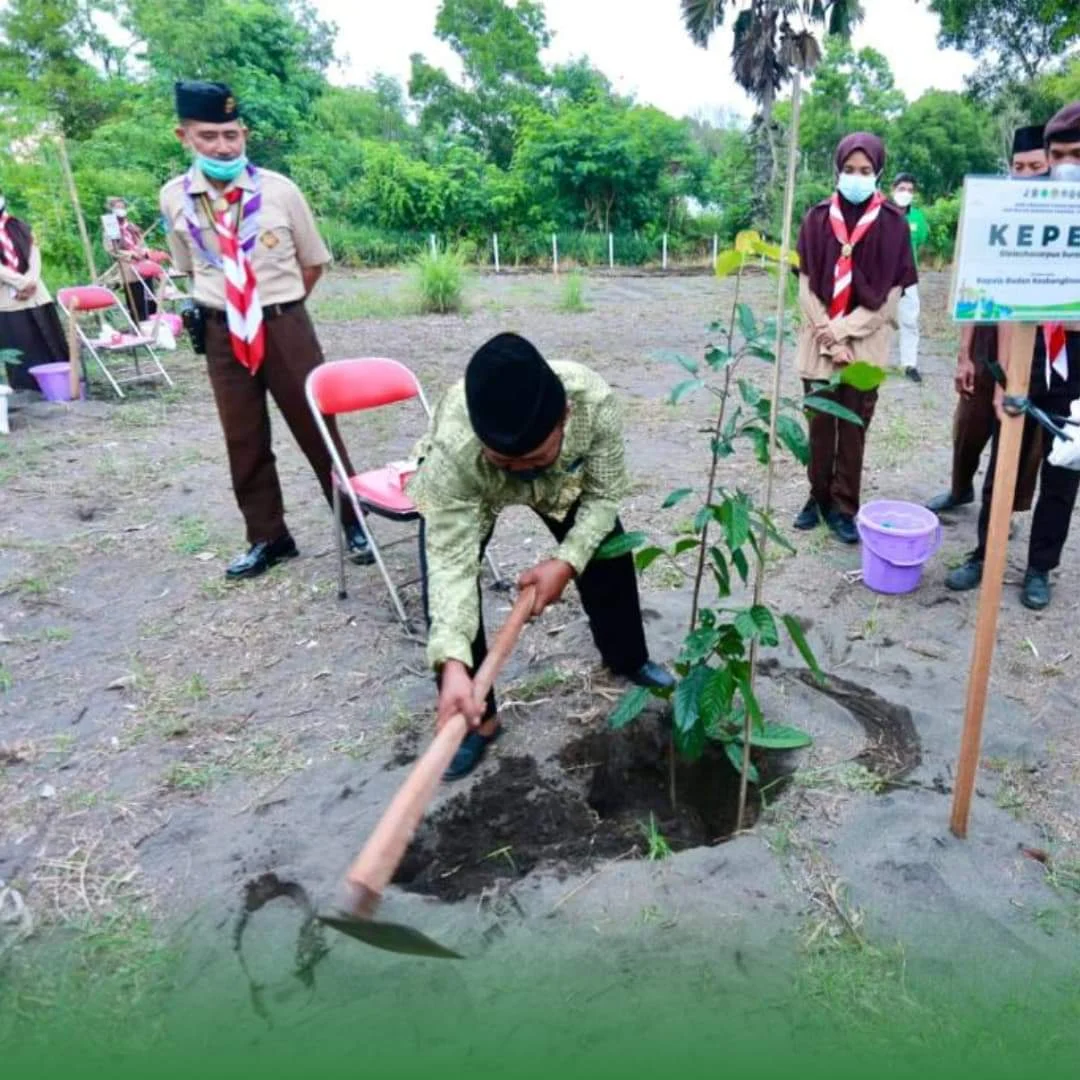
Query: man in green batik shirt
[[903, 195], [517, 431]]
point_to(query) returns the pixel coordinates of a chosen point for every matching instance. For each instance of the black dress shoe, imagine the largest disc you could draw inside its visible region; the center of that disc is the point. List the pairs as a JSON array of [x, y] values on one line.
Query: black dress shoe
[[469, 754], [809, 517], [261, 557], [913, 374], [843, 527], [1035, 594], [653, 677], [359, 549], [949, 501]]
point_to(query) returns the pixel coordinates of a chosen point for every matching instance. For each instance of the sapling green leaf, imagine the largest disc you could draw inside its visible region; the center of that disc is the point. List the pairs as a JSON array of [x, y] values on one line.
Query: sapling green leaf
[[686, 363], [798, 639], [629, 707], [685, 545], [746, 692], [734, 755], [620, 544], [687, 386], [861, 375], [760, 439], [717, 694], [816, 403], [738, 560], [676, 497], [646, 557], [790, 434], [749, 392], [686, 699], [747, 321], [699, 645], [779, 737]]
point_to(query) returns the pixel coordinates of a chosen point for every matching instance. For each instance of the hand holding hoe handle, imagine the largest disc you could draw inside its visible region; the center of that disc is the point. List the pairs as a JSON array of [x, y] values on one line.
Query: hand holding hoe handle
[[373, 868]]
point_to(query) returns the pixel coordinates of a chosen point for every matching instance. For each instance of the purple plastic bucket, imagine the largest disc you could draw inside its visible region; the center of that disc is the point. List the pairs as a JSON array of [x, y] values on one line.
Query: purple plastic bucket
[[54, 380], [898, 539]]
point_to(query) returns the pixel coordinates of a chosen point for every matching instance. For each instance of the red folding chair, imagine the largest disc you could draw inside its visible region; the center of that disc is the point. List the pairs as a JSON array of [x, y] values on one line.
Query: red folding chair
[[345, 386], [116, 334]]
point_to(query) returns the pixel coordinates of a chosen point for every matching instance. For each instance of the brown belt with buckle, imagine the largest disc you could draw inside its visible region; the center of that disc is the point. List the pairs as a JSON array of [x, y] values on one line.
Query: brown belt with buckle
[[269, 311]]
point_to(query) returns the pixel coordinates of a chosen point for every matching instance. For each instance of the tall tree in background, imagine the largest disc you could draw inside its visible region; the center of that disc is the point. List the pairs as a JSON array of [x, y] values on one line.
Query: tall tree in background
[[1016, 40], [765, 52], [500, 48]]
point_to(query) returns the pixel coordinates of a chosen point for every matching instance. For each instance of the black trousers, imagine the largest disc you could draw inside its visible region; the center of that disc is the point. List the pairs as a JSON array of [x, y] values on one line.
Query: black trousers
[[609, 594]]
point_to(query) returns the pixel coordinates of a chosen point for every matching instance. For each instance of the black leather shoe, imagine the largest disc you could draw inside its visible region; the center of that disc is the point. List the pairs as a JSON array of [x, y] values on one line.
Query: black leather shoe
[[653, 677], [359, 549], [809, 517], [1036, 592], [943, 503], [913, 374], [843, 527], [965, 577], [470, 753], [261, 557]]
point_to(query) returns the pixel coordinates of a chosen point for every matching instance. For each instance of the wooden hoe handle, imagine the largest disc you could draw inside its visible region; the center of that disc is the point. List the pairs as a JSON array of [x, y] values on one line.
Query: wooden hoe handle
[[374, 867]]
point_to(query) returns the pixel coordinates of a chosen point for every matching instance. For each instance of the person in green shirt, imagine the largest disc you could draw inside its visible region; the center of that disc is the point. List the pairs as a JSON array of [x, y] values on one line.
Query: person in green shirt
[[903, 195], [518, 431]]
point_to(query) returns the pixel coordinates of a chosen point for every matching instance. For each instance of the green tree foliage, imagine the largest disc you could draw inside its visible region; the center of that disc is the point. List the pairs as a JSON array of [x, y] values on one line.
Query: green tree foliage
[[1016, 40]]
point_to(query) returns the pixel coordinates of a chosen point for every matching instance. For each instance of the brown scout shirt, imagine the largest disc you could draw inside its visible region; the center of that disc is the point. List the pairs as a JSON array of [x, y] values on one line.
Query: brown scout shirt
[[12, 280], [288, 239]]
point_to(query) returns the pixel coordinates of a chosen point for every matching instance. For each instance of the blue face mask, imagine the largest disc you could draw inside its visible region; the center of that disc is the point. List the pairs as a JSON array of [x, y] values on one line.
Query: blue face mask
[[856, 188], [216, 169]]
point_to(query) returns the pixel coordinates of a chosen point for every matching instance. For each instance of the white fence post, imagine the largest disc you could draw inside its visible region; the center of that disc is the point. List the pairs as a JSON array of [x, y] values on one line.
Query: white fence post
[[611, 250], [715, 249], [495, 249], [663, 258], [555, 253], [434, 246]]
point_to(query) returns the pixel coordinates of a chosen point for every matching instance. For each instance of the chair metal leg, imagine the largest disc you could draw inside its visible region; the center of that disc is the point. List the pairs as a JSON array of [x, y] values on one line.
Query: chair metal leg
[[398, 606], [339, 536]]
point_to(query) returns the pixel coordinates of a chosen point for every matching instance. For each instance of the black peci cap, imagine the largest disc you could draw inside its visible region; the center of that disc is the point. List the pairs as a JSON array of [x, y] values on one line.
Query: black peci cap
[[1026, 139], [210, 102], [515, 400], [905, 178]]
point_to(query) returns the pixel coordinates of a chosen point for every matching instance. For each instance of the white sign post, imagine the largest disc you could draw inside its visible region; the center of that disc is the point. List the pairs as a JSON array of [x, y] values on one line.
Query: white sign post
[[1017, 265]]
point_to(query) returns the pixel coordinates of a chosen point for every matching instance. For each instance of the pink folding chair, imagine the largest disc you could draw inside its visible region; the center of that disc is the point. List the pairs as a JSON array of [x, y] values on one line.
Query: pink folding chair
[[345, 386], [116, 334]]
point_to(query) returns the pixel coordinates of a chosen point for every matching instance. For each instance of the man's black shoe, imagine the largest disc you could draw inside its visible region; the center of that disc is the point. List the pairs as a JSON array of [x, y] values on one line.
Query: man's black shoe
[[913, 374], [809, 517], [843, 527], [653, 677], [359, 549], [1036, 592], [469, 754], [966, 576], [261, 557], [943, 503]]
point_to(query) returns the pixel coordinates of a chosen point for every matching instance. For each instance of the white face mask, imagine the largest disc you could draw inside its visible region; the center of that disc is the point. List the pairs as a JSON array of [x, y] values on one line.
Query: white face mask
[[856, 188], [120, 212], [1067, 170], [902, 199]]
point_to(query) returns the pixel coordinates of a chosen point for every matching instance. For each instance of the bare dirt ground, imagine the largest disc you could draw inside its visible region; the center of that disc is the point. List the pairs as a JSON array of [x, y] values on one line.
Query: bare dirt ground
[[165, 738]]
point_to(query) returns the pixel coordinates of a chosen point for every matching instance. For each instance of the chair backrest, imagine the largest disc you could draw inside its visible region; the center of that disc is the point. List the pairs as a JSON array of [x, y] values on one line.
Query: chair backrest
[[342, 386], [87, 297]]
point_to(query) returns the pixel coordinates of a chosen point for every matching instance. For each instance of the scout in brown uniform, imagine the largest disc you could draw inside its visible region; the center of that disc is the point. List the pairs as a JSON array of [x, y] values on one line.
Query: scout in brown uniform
[[128, 248], [973, 424], [249, 239]]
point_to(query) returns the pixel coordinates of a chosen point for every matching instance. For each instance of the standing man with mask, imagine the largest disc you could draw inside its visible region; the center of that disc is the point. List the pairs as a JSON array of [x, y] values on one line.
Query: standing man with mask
[[973, 424], [248, 238], [903, 195], [517, 431], [1054, 385]]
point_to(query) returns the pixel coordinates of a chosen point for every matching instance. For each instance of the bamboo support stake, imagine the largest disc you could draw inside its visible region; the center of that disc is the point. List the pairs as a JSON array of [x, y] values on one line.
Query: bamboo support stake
[[781, 304], [74, 372], [65, 166], [555, 253], [611, 250], [1017, 341], [495, 249]]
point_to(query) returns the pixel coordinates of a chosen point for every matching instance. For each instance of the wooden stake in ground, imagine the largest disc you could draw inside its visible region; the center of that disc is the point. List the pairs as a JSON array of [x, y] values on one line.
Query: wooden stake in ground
[[1017, 341], [65, 166], [75, 373], [781, 305]]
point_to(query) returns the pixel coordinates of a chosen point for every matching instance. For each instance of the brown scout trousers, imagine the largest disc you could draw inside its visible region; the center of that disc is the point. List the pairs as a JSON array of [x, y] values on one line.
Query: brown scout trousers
[[292, 352], [837, 447], [973, 428]]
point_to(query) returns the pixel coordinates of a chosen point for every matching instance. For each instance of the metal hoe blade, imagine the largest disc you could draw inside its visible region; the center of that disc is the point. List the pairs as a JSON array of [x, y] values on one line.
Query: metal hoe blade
[[393, 937]]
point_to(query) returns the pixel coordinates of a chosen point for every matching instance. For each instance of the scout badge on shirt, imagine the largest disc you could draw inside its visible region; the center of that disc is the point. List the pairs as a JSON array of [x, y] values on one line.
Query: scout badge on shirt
[[270, 240]]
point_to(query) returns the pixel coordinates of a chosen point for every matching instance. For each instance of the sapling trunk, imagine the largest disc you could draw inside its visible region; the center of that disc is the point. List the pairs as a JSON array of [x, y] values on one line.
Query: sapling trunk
[[781, 304]]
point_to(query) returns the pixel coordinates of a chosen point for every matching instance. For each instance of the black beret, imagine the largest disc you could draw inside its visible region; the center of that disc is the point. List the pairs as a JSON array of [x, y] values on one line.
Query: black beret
[[210, 102], [515, 400], [905, 178], [1026, 139]]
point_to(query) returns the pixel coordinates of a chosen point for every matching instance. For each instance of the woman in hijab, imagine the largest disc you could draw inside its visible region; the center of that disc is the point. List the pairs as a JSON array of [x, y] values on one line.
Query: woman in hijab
[[127, 248], [28, 319], [855, 260]]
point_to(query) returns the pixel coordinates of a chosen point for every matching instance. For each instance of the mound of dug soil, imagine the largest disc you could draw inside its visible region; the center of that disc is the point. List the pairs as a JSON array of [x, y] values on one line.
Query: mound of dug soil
[[595, 800]]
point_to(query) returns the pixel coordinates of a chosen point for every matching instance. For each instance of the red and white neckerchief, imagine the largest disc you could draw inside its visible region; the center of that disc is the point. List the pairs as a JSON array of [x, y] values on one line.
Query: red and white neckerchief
[[842, 275], [243, 311], [7, 245], [1057, 354]]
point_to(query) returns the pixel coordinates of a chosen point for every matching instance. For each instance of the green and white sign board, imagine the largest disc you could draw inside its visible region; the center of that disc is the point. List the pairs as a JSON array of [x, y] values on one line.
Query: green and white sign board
[[1018, 252]]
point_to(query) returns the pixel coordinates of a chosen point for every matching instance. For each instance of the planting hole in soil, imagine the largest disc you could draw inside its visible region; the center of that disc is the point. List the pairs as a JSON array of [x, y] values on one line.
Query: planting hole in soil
[[600, 797]]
